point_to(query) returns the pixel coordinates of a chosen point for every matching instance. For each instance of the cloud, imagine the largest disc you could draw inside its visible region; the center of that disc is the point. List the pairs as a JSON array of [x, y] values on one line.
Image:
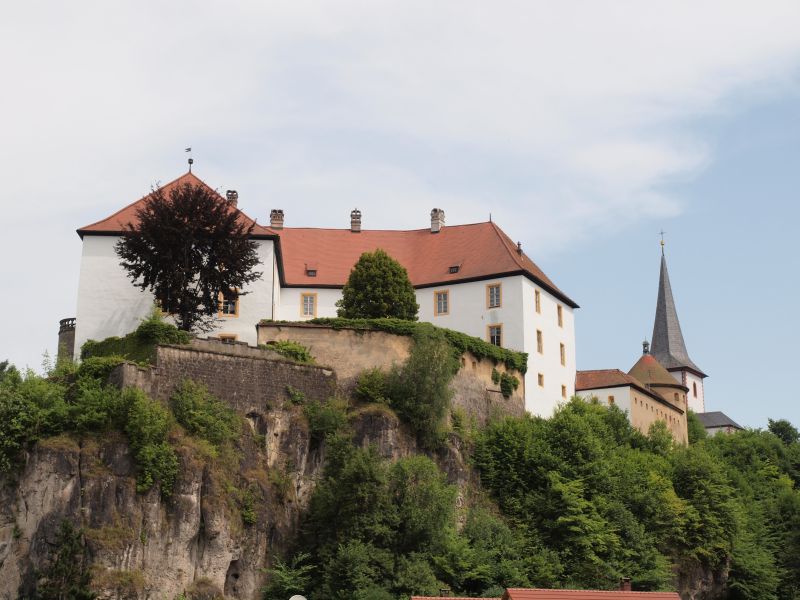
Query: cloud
[[558, 118]]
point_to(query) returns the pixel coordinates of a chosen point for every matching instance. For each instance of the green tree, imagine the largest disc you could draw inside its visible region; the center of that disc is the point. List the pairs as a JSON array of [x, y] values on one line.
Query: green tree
[[187, 247], [378, 287], [67, 577], [696, 429], [784, 430]]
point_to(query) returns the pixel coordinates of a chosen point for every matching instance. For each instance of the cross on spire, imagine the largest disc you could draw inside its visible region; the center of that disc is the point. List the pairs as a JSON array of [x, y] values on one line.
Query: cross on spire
[[662, 232]]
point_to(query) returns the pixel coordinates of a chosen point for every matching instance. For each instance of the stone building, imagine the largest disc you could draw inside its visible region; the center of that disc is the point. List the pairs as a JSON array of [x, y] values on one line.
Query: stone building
[[472, 278]]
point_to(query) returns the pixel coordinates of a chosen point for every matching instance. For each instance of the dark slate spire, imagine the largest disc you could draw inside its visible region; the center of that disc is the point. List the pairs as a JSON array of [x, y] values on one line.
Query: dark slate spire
[[668, 346]]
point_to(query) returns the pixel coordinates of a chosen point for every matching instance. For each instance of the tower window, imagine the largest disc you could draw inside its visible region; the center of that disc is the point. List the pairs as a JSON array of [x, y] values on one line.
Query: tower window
[[560, 311], [308, 306], [496, 335], [694, 388], [228, 303], [563, 354], [442, 303], [540, 378], [493, 296], [537, 296], [539, 342]]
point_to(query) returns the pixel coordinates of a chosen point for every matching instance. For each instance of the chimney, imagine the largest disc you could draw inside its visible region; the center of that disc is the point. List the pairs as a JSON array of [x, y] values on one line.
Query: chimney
[[625, 584], [355, 220], [233, 197], [276, 218], [437, 220]]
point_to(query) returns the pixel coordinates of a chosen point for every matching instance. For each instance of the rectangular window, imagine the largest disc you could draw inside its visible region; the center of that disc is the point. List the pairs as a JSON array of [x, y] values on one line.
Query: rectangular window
[[229, 304], [538, 297], [493, 296], [441, 303], [539, 342], [540, 377], [610, 400], [560, 315], [227, 338], [563, 354], [563, 391], [496, 335], [308, 304]]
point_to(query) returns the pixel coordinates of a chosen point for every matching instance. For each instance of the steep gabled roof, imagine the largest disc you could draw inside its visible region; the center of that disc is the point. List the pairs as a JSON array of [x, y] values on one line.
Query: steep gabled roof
[[717, 419], [668, 345], [114, 224]]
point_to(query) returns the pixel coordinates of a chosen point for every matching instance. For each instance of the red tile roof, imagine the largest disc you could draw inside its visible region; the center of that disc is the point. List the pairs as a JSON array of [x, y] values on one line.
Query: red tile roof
[[604, 378], [528, 594], [607, 378], [480, 250], [116, 222]]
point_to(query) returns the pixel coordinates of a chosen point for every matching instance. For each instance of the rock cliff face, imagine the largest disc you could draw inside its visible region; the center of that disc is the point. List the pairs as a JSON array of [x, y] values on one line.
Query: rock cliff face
[[196, 543]]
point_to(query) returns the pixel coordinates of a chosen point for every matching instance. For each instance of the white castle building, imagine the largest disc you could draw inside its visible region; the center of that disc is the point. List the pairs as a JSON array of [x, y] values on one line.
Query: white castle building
[[471, 278]]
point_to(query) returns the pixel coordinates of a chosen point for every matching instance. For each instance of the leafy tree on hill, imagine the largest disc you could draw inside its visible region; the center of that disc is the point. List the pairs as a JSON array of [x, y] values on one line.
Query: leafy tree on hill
[[378, 287], [187, 248], [784, 430]]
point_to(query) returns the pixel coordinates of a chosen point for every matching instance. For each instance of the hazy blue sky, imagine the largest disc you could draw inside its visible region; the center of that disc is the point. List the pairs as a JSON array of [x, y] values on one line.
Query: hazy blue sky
[[583, 127]]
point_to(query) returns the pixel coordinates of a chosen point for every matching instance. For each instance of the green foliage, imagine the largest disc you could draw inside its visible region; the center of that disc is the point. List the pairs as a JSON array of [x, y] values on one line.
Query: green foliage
[[247, 504], [696, 430], [292, 350], [67, 575], [325, 418], [187, 247], [289, 578], [295, 396], [147, 425], [419, 391], [787, 432], [203, 415], [508, 384], [139, 345], [371, 387], [378, 287], [99, 367], [461, 342]]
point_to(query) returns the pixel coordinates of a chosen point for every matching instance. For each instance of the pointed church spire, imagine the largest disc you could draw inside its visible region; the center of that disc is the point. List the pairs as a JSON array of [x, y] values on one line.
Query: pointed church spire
[[668, 346]]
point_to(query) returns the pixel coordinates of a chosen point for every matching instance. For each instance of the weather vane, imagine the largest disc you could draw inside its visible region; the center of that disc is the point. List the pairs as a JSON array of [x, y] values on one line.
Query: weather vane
[[191, 160], [662, 232]]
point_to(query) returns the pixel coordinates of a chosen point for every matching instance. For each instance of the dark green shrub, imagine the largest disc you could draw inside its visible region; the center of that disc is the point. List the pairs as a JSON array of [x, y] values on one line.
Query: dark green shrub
[[147, 426], [292, 350], [371, 386], [99, 367], [378, 286], [419, 391], [325, 417], [203, 415], [508, 383], [67, 575], [295, 396], [495, 376]]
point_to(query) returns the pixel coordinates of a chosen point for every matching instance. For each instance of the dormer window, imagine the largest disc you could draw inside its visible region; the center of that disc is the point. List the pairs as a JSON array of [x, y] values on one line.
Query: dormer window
[[454, 269], [311, 270]]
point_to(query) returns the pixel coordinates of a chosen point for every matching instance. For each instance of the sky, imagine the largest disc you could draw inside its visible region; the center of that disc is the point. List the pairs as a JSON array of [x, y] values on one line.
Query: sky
[[583, 128]]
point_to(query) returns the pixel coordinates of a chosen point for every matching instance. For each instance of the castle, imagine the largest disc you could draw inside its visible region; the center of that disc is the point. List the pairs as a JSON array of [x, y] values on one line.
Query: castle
[[470, 278]]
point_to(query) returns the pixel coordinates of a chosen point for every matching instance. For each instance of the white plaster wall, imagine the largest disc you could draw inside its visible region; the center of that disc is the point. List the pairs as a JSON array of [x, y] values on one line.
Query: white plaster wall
[[469, 312], [109, 304], [622, 397], [697, 404], [543, 401], [254, 305], [291, 303]]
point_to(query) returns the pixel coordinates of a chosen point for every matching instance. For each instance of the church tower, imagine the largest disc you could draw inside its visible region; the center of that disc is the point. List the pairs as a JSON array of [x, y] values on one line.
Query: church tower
[[668, 346]]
